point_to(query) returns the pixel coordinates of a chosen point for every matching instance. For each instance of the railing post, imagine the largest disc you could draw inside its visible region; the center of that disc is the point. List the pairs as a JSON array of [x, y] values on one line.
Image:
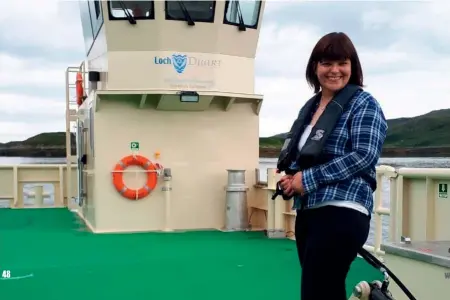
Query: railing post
[[275, 207], [15, 187], [393, 209], [399, 221], [378, 218], [430, 209], [38, 196], [271, 185], [379, 210]]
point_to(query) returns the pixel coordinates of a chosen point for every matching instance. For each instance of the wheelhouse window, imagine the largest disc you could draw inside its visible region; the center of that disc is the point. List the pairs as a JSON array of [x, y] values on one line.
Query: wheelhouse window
[[190, 11], [86, 24], [242, 13], [91, 21], [139, 10]]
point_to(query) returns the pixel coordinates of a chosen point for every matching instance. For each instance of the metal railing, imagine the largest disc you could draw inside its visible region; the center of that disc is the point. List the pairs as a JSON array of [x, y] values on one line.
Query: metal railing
[[16, 177], [415, 208], [379, 211], [69, 104], [423, 205]]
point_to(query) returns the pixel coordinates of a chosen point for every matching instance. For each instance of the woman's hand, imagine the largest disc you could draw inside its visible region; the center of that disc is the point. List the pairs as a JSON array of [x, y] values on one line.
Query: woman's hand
[[286, 185], [296, 183]]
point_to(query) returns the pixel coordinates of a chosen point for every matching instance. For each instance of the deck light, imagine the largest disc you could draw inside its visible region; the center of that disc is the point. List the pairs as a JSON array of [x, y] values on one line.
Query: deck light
[[189, 96]]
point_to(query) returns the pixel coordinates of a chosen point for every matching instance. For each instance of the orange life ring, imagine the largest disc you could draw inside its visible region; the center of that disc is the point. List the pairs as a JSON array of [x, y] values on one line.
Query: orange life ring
[[135, 160], [79, 89]]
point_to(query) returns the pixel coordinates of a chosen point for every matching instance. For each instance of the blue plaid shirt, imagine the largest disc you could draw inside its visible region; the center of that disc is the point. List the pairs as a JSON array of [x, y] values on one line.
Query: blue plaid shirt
[[355, 146]]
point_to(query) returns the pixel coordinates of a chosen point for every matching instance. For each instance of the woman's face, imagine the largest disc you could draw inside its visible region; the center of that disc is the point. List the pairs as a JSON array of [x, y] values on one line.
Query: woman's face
[[334, 75]]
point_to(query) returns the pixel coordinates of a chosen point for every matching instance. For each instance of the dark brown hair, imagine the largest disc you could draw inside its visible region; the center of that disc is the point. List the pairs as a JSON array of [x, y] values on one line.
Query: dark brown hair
[[334, 46]]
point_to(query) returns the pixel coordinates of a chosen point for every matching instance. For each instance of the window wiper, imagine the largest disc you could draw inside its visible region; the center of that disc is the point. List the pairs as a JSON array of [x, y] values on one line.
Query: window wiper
[[130, 18], [240, 17], [186, 14]]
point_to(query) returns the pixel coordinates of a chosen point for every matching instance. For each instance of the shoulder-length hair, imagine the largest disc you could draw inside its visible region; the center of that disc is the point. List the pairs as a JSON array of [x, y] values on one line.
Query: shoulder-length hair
[[334, 46]]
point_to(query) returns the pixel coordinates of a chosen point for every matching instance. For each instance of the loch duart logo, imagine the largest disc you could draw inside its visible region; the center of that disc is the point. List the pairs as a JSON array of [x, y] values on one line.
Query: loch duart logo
[[182, 61]]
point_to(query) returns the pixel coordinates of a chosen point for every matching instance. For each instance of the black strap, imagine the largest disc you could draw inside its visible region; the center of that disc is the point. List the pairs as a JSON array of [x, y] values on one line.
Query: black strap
[[312, 150], [377, 264]]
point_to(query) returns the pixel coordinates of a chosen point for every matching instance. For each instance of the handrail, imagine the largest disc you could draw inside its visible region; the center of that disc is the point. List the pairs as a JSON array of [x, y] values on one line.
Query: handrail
[[41, 174], [82, 69], [402, 181], [379, 210]]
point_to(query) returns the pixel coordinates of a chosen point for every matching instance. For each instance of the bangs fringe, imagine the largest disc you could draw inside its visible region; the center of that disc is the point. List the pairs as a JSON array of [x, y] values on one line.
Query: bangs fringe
[[335, 48]]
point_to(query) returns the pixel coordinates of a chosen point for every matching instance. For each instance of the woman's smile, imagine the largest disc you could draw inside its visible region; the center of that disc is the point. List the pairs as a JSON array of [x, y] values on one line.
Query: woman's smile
[[334, 78]]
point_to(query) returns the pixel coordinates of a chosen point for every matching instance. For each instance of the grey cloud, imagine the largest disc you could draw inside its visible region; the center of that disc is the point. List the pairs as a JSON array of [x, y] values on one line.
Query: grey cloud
[[55, 33], [33, 118], [382, 31], [349, 17], [43, 92], [29, 51]]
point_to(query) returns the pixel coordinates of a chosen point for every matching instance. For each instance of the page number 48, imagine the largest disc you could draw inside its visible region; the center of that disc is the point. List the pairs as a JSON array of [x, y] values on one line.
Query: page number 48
[[6, 274]]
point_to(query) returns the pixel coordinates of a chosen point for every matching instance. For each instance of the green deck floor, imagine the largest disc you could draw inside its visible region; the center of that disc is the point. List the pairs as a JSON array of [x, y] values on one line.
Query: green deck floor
[[69, 263]]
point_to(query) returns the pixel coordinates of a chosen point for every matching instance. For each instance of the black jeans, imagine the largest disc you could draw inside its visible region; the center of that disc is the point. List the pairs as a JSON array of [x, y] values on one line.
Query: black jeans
[[328, 240]]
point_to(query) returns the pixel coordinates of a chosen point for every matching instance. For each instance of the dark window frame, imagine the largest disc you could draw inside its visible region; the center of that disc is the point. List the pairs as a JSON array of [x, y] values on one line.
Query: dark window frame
[[97, 8], [150, 17], [210, 20], [89, 26], [99, 15], [96, 21], [225, 21]]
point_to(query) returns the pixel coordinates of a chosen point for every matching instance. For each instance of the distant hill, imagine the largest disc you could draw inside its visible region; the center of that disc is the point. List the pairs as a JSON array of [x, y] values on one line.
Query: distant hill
[[48, 144], [427, 135], [428, 130], [42, 139]]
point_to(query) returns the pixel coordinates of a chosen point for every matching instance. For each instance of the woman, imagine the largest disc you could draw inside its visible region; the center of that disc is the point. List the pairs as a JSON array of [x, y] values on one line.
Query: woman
[[334, 198]]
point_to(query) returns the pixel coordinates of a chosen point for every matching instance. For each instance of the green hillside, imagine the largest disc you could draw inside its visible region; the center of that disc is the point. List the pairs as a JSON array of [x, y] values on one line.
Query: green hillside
[[42, 139], [429, 130], [432, 129]]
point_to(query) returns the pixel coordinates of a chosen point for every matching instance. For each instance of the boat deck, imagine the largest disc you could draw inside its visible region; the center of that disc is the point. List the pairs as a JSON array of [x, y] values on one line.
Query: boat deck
[[52, 256]]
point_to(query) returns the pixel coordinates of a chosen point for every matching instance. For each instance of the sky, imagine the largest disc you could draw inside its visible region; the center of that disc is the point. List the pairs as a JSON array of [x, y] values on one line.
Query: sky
[[404, 47]]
